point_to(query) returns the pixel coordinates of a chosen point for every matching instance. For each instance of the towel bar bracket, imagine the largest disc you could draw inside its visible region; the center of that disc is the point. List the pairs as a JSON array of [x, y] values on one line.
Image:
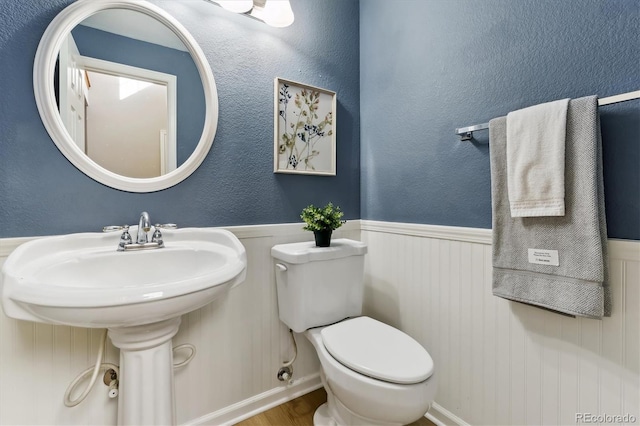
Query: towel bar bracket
[[466, 133], [466, 136]]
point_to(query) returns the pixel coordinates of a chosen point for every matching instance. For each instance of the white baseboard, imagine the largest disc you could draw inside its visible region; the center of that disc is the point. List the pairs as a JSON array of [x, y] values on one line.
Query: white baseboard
[[260, 403], [257, 404], [443, 417]]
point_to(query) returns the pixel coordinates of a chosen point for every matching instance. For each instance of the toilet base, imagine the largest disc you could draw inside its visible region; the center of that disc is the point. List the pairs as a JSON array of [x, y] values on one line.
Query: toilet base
[[321, 416], [380, 403], [334, 413]]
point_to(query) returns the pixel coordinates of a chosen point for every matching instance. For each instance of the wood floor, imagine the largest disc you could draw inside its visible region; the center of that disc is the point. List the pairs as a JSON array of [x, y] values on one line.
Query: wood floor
[[299, 412]]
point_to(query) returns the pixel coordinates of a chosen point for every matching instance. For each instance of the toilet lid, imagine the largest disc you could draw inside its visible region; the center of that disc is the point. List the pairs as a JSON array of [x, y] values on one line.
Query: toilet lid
[[377, 350]]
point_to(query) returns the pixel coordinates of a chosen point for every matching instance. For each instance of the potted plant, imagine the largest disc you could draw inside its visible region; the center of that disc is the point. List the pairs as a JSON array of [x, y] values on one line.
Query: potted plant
[[322, 221]]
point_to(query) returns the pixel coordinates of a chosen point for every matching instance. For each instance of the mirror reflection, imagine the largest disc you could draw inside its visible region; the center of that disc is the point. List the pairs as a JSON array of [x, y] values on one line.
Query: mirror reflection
[[129, 94]]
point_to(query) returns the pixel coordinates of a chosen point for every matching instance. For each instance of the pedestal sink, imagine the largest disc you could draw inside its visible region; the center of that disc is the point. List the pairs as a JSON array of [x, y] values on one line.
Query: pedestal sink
[[81, 280]]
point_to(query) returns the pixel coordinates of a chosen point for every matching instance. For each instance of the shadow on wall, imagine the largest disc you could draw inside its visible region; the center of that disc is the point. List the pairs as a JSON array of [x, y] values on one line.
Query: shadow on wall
[[381, 301], [621, 172], [563, 334]]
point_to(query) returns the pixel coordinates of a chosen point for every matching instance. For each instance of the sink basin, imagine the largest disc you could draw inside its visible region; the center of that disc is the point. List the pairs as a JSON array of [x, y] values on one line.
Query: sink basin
[[139, 295], [81, 280]]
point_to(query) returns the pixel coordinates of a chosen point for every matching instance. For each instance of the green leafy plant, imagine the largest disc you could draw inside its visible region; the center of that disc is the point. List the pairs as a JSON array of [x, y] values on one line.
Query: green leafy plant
[[322, 218]]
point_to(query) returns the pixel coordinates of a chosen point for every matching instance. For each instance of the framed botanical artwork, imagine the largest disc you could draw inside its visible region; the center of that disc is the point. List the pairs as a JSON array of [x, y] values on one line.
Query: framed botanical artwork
[[304, 129]]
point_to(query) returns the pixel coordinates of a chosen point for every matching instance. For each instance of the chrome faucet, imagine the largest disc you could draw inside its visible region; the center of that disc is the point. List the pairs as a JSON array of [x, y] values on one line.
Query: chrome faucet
[[142, 239], [144, 226]]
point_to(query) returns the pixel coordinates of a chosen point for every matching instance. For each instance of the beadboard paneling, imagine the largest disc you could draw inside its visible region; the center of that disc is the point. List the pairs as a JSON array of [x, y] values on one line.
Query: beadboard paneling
[[239, 339], [497, 362], [500, 362]]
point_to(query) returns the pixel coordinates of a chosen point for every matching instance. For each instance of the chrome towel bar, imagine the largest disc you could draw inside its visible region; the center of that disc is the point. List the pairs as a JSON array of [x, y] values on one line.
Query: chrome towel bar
[[466, 133]]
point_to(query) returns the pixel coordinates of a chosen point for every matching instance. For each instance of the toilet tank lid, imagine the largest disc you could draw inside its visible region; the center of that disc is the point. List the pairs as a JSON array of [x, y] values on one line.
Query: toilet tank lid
[[378, 350], [308, 252]]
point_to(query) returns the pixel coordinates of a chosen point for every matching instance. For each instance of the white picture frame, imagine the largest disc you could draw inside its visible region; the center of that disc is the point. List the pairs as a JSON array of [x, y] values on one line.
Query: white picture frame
[[304, 129]]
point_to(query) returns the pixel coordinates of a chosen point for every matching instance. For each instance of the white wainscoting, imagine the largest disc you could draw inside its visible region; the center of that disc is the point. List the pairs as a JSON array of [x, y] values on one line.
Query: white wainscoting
[[497, 362], [500, 362], [240, 345]]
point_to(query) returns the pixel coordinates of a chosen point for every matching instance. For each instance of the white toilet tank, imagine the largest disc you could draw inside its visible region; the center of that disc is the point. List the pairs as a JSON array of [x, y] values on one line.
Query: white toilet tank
[[319, 285]]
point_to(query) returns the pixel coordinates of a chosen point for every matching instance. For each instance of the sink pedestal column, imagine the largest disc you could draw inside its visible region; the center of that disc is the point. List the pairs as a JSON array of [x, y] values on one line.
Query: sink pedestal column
[[146, 373]]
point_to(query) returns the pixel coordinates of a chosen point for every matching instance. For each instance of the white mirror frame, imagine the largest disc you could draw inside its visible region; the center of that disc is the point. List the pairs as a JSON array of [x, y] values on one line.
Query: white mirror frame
[[43, 86]]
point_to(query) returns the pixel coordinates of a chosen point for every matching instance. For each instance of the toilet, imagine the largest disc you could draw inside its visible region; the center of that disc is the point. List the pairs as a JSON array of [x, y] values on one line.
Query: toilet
[[373, 374]]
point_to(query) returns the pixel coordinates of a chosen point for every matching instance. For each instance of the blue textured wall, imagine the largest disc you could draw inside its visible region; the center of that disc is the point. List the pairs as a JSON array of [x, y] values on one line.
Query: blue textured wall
[[430, 66], [124, 50], [41, 193]]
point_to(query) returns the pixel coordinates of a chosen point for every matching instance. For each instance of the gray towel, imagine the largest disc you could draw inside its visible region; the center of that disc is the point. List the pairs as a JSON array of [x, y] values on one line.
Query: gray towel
[[578, 284]]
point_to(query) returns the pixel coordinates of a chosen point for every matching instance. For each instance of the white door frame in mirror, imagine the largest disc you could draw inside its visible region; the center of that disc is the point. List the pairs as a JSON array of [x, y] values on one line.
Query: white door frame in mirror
[[44, 90]]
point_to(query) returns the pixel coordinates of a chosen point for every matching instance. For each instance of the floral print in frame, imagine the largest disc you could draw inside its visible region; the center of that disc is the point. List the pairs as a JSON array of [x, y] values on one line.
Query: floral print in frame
[[304, 129]]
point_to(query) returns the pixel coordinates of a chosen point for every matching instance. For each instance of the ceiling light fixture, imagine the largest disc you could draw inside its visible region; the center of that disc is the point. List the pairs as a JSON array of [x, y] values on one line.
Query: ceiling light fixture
[[276, 13]]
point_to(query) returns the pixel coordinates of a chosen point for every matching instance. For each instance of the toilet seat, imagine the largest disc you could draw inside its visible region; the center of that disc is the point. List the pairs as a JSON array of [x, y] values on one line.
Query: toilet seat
[[377, 350]]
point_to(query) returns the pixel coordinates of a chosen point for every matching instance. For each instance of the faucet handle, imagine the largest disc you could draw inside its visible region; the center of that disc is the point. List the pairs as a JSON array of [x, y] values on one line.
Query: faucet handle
[[166, 226], [125, 238], [113, 228], [157, 237]]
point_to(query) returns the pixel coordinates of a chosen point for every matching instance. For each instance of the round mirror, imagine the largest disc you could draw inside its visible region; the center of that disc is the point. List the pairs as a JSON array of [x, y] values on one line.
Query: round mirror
[[126, 94]]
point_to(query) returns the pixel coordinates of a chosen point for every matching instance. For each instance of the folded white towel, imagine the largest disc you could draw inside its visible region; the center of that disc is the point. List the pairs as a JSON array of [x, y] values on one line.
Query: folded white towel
[[535, 159]]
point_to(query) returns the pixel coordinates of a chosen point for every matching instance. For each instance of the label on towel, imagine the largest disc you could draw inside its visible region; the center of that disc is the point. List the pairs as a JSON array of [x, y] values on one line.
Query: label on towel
[[544, 257]]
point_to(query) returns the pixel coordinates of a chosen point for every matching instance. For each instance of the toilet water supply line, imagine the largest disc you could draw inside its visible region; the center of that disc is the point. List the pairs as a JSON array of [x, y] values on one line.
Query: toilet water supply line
[[113, 386], [295, 351], [285, 373]]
